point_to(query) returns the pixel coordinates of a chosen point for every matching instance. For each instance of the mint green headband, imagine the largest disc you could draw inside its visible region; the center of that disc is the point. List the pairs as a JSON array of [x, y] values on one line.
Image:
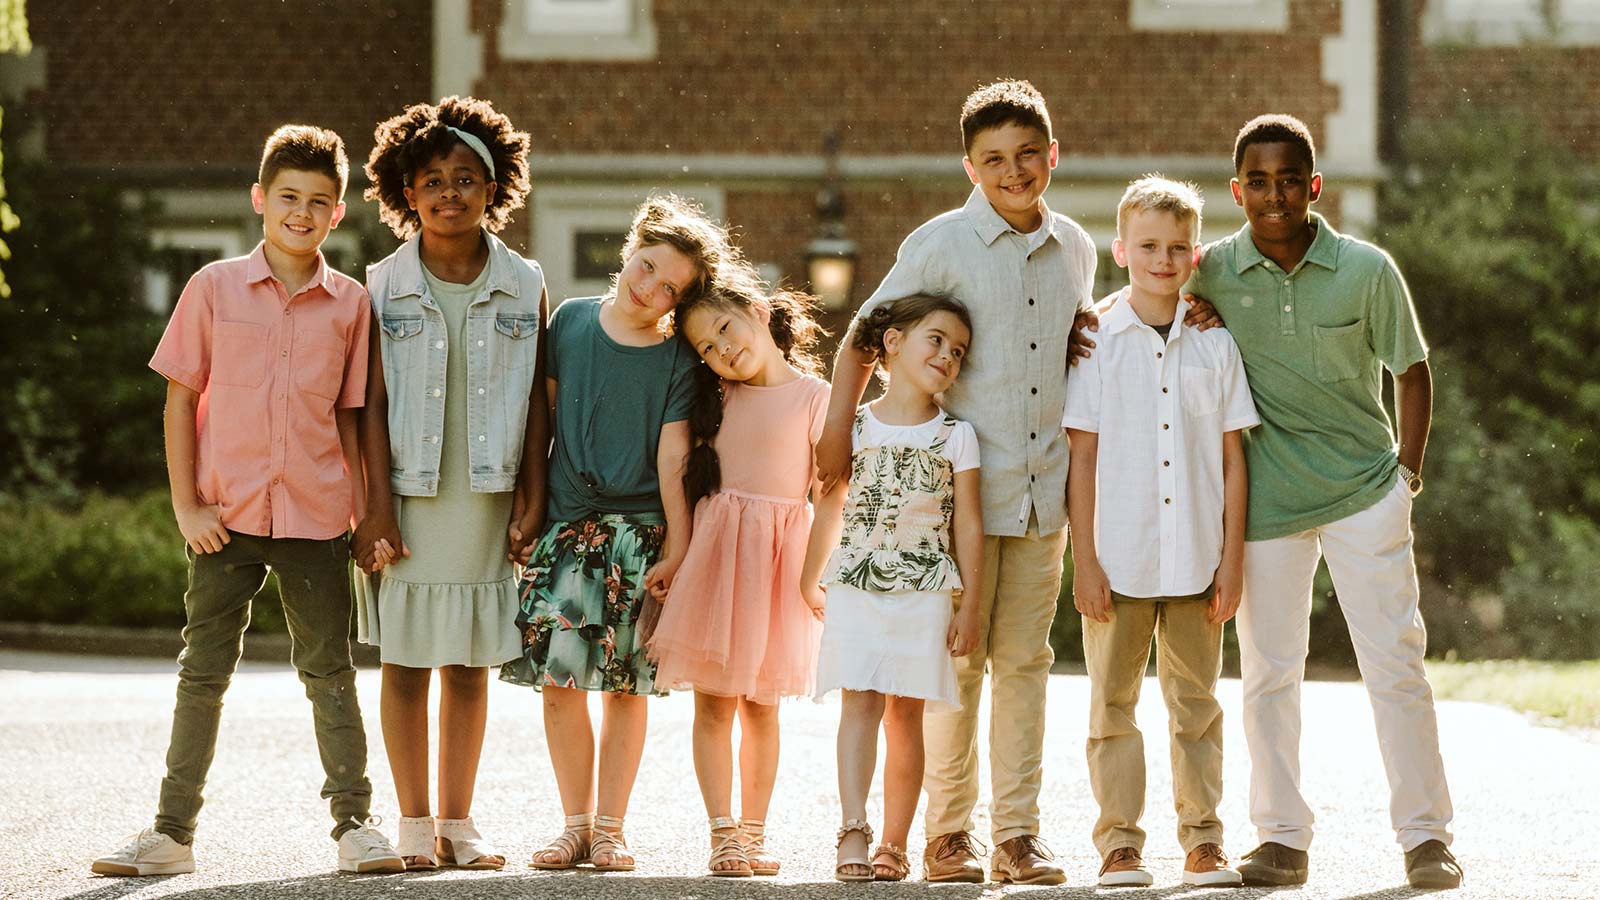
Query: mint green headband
[[476, 145]]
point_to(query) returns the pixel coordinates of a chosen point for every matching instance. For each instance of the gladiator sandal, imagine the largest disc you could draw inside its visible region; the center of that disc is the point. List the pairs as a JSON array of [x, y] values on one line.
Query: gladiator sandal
[[570, 848], [754, 834], [725, 848], [608, 839]]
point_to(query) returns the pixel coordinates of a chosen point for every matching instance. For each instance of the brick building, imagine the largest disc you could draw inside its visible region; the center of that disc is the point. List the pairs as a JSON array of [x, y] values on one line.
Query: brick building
[[729, 101]]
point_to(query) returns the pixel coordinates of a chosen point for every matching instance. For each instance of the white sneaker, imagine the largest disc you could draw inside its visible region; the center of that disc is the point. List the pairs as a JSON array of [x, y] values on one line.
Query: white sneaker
[[147, 853], [365, 849]]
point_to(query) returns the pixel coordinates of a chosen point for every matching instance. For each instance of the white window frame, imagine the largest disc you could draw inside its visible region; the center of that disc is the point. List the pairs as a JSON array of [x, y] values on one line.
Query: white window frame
[[158, 287], [1221, 16], [561, 211], [1508, 23], [578, 30]]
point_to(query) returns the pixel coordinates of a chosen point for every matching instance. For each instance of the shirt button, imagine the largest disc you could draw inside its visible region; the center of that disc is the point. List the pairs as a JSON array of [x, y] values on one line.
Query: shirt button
[[1286, 282], [1030, 477], [1158, 354], [1287, 308], [285, 353], [1033, 436], [1033, 346], [438, 345], [480, 391], [480, 343], [1167, 501], [1030, 301], [1163, 390], [1165, 426], [437, 392], [1166, 462], [1034, 390], [483, 437]]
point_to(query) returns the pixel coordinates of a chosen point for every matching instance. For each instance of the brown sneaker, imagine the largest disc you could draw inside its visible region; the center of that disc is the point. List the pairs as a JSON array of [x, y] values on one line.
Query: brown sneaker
[[952, 857], [1207, 866], [1025, 860], [1124, 867]]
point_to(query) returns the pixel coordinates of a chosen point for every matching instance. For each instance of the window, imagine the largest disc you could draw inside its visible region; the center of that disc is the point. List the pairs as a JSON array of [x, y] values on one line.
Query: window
[[578, 231], [578, 29], [1512, 22], [179, 253], [1209, 15]]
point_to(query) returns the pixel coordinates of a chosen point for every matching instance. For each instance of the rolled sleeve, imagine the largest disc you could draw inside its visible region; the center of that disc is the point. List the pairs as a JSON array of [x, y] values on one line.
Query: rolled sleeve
[[184, 354], [1396, 334]]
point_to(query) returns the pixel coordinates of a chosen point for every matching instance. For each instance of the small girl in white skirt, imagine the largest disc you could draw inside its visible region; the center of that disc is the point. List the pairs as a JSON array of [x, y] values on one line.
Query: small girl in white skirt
[[889, 631]]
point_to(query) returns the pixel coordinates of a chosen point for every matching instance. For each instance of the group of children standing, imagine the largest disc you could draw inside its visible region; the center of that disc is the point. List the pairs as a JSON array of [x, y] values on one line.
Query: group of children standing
[[618, 499]]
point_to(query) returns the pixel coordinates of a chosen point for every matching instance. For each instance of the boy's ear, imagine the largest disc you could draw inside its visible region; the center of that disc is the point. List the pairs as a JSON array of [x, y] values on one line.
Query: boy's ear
[[1119, 252], [1197, 254], [258, 198], [338, 216], [1055, 153], [972, 174], [1316, 186], [1238, 198]]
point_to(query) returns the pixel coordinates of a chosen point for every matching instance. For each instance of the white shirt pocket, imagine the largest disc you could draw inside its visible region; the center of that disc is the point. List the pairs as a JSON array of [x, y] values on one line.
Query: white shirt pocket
[[1202, 390]]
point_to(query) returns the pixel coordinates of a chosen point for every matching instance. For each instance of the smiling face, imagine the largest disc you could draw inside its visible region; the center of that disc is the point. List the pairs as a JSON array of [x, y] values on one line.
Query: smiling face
[[1011, 164], [297, 209], [652, 281], [1276, 186], [929, 353], [733, 340], [450, 193], [1158, 250]]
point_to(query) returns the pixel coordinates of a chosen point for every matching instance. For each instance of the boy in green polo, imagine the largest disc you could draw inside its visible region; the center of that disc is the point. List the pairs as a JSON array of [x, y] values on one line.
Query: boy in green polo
[[1316, 316]]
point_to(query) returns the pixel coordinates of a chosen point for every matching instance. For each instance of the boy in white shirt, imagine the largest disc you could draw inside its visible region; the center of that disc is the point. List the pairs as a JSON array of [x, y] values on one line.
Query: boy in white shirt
[[1156, 499]]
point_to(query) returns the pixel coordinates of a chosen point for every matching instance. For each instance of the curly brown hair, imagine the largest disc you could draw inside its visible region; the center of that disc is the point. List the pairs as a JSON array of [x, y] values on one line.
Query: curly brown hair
[[412, 139]]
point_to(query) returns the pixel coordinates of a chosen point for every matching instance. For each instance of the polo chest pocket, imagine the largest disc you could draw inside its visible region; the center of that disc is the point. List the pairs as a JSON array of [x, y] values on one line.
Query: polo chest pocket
[[514, 342], [239, 354], [403, 348], [1339, 351]]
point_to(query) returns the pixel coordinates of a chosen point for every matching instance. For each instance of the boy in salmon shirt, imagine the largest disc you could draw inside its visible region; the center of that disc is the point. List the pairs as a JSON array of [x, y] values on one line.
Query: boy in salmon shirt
[[266, 365]]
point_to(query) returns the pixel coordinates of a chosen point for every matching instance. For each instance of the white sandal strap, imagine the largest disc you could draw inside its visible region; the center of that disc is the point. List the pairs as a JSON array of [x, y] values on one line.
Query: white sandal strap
[[854, 825], [466, 844], [416, 839]]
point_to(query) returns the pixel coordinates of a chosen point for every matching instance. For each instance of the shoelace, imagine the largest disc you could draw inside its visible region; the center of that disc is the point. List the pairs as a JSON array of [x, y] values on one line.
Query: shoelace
[[149, 839], [1211, 853], [962, 842], [1032, 844]]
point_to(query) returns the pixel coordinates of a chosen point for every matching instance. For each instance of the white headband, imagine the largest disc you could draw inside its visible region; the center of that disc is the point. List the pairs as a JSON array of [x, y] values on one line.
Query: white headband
[[477, 146]]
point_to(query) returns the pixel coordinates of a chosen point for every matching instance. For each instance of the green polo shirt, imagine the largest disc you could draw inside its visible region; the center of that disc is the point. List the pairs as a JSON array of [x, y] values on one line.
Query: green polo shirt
[[1312, 342]]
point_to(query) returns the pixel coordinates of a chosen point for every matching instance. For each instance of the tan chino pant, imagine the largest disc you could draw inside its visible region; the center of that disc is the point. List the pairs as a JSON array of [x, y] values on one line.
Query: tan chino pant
[[1021, 579], [1188, 661]]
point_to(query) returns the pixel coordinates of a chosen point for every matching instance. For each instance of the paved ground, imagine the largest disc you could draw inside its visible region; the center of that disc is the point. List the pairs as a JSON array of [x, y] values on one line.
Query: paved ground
[[82, 742]]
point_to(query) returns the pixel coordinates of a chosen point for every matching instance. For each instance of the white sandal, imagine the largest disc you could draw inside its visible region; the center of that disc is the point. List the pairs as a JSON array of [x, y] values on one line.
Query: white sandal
[[727, 847], [607, 838], [572, 844], [839, 873], [464, 842], [754, 832], [416, 843]]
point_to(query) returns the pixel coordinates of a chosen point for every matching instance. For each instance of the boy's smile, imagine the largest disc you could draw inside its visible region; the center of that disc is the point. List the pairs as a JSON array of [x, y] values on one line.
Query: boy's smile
[[1276, 186], [1011, 164], [1158, 250], [297, 209]]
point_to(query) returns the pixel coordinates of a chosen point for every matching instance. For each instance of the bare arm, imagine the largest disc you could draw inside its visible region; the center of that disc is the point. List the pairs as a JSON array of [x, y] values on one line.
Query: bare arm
[[200, 524], [851, 371], [1091, 592], [671, 456], [826, 524], [528, 502], [379, 524], [1413, 400], [966, 629], [1235, 501], [348, 421]]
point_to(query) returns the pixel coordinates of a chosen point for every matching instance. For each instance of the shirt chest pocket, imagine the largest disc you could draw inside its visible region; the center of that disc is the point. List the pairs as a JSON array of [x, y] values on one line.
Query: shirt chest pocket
[[513, 337], [239, 354], [319, 365], [1202, 390], [403, 347], [1338, 351]]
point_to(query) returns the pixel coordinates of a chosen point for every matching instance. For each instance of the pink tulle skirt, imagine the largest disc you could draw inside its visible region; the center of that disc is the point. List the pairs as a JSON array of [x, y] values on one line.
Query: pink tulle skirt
[[734, 623]]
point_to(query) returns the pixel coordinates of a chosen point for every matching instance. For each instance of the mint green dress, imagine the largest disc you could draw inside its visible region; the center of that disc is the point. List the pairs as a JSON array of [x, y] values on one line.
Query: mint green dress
[[453, 602]]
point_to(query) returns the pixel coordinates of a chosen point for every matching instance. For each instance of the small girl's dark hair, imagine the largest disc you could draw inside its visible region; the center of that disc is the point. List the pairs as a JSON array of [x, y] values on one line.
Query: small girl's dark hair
[[794, 329], [901, 315], [410, 140]]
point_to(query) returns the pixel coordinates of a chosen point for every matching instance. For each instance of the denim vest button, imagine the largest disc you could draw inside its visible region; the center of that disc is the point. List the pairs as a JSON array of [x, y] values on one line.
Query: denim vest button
[[437, 392], [438, 345]]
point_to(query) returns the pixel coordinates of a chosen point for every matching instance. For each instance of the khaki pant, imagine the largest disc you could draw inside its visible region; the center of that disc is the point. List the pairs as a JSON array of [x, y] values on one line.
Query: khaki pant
[[1021, 579], [1188, 661], [314, 579]]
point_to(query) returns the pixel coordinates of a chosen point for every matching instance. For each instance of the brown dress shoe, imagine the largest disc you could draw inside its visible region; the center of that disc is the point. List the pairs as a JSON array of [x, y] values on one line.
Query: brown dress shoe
[[952, 857], [1025, 860]]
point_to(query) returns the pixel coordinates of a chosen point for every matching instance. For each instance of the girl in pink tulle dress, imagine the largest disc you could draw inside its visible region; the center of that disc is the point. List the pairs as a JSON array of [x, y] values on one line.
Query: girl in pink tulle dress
[[734, 625]]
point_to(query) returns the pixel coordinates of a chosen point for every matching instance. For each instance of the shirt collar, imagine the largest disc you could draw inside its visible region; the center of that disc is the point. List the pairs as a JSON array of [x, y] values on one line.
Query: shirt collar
[[1121, 316], [408, 279], [257, 269], [989, 225], [1324, 249]]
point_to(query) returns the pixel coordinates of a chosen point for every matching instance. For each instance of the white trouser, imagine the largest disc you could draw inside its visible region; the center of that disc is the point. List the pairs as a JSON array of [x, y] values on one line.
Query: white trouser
[[1375, 576]]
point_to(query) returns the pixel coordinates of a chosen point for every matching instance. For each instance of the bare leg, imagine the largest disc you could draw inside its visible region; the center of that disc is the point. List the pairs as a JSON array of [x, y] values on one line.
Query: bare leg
[[713, 758], [859, 715], [403, 709], [463, 709], [622, 731], [902, 767], [571, 739], [758, 770]]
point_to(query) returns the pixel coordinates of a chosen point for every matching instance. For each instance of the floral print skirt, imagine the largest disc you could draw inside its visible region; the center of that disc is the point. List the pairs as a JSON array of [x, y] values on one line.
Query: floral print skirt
[[582, 594]]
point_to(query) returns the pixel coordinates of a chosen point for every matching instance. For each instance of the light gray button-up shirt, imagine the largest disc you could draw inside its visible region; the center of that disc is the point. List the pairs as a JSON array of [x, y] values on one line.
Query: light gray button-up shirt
[[1023, 292]]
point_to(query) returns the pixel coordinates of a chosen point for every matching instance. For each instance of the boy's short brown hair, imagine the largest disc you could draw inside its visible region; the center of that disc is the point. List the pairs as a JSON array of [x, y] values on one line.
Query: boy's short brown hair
[[1155, 193], [1012, 102], [304, 148]]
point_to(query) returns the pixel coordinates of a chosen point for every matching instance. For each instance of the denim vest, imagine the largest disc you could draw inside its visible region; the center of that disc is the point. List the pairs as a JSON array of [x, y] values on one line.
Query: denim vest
[[502, 324]]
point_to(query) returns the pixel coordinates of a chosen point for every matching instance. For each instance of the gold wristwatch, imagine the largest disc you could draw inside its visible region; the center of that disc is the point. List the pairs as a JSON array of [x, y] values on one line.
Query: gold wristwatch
[[1413, 480]]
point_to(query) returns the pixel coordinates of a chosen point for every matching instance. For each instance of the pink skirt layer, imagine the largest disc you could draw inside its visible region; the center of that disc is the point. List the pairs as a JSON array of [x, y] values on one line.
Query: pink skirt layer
[[734, 623]]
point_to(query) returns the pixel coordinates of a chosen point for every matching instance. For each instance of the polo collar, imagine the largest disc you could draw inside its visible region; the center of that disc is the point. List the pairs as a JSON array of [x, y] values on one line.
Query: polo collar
[[1324, 249], [257, 269], [408, 280], [989, 225]]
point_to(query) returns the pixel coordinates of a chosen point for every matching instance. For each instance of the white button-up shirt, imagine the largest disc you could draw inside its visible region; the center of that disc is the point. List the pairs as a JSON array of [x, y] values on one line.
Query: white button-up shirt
[[1160, 408], [1022, 291]]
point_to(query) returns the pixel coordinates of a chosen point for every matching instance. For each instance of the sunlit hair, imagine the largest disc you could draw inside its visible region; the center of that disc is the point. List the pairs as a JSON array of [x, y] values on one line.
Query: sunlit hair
[[901, 315], [414, 138], [1153, 193], [794, 329], [1003, 103], [1274, 128], [683, 225], [304, 148]]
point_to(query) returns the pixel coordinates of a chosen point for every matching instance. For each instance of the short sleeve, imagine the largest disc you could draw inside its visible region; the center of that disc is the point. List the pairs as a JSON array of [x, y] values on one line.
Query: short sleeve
[[184, 354], [552, 340], [1396, 335], [908, 276], [962, 447], [1238, 407], [680, 392], [354, 392], [1083, 395], [819, 410], [1093, 258]]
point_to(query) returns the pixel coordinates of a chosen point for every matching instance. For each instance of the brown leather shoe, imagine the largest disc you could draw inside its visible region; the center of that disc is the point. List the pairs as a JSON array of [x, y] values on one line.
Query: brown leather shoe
[[952, 857], [1207, 866], [1025, 860]]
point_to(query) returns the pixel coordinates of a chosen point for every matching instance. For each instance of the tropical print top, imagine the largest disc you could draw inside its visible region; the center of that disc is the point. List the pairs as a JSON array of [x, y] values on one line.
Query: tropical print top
[[897, 518]]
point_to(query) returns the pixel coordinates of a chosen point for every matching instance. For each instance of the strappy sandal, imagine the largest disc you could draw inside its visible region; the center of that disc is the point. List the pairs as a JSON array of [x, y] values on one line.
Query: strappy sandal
[[572, 845], [898, 867], [839, 874], [463, 842], [754, 834], [727, 847], [607, 838], [416, 845]]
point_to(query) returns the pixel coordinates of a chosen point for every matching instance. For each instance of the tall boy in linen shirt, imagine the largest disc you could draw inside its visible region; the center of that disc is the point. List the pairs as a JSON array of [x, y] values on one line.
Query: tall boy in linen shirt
[[266, 363], [1024, 272], [1156, 497]]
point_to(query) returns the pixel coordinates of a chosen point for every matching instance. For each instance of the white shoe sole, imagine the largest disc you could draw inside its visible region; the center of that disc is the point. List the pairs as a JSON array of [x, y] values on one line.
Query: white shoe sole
[[1223, 878], [1127, 879], [107, 867], [386, 864]]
